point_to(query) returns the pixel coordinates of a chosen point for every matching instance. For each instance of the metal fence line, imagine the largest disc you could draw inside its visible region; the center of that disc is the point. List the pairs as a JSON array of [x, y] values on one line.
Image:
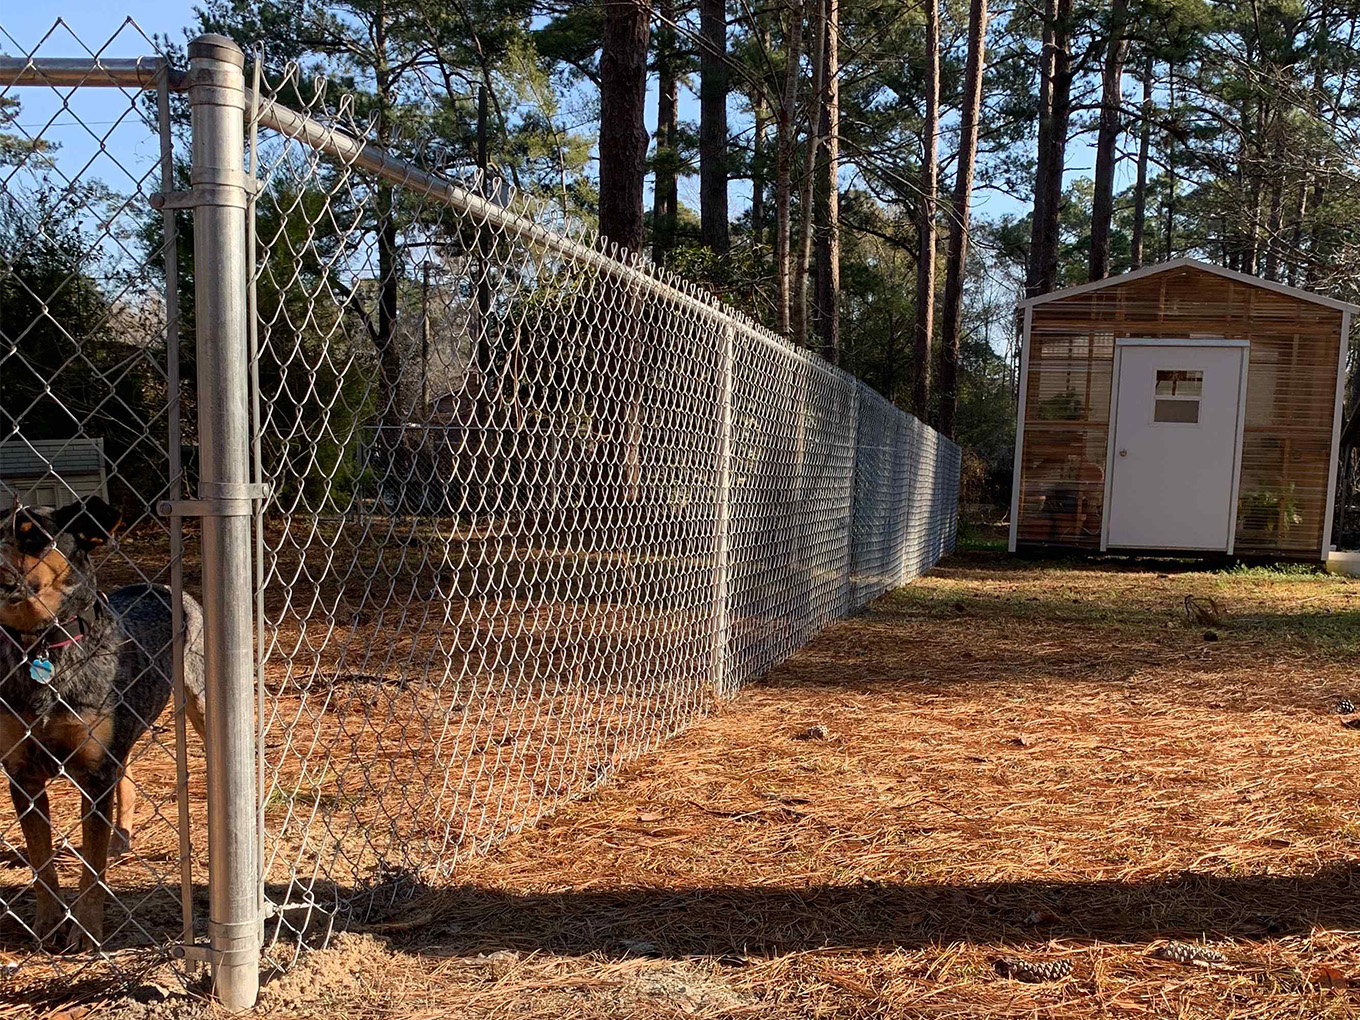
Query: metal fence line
[[508, 510], [133, 73]]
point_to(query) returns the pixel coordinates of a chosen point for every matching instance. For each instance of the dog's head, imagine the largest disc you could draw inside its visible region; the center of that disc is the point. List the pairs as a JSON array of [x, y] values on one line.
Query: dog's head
[[45, 574]]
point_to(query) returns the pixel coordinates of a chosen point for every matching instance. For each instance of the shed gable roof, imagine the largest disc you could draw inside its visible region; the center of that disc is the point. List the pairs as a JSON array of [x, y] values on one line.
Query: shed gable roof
[[35, 458], [1189, 263]]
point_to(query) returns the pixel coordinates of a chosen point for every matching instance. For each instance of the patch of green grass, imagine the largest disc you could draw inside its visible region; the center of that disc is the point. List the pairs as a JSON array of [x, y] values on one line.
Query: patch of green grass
[[975, 536], [1277, 572], [322, 793]]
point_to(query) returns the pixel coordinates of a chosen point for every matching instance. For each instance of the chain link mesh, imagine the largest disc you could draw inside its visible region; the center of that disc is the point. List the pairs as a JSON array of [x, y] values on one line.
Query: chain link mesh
[[89, 404], [534, 509]]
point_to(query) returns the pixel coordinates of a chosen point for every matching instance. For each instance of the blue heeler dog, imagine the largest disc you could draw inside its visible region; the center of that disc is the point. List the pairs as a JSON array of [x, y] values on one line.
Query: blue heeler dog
[[82, 678]]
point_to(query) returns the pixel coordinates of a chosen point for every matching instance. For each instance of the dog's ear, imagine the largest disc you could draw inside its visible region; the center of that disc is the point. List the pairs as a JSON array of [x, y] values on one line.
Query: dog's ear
[[91, 523], [32, 533]]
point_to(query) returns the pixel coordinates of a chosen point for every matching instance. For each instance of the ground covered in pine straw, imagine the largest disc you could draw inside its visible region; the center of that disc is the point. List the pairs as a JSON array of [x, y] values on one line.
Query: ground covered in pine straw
[[1040, 760]]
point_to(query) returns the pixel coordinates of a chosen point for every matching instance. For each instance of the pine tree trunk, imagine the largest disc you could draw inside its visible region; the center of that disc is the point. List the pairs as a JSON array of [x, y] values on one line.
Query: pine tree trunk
[[798, 314], [1140, 185], [783, 170], [1051, 179], [623, 135], [1170, 163], [1275, 222], [924, 328], [1296, 240], [713, 77], [1044, 146], [758, 173], [959, 220], [827, 320], [1252, 224], [1102, 204], [762, 118], [623, 167], [665, 195]]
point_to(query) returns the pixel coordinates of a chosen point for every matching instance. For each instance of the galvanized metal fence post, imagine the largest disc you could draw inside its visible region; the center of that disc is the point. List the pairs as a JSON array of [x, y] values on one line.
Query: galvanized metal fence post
[[722, 681], [219, 200]]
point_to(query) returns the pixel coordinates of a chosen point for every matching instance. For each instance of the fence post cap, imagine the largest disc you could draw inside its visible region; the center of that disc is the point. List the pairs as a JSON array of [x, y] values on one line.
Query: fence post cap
[[217, 47]]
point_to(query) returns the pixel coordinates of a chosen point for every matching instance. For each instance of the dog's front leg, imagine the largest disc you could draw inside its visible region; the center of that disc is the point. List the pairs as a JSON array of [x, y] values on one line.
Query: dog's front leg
[[126, 809], [96, 827], [35, 819]]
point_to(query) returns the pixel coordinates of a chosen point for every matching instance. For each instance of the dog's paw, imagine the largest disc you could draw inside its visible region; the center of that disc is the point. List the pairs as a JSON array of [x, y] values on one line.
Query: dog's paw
[[120, 842]]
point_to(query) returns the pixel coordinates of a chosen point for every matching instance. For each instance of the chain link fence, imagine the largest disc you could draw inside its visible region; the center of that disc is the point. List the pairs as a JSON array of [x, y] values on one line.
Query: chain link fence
[[90, 408], [533, 508], [514, 509]]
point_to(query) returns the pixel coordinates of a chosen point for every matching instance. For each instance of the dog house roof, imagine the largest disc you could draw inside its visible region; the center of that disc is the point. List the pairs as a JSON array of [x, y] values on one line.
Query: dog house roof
[[1189, 263]]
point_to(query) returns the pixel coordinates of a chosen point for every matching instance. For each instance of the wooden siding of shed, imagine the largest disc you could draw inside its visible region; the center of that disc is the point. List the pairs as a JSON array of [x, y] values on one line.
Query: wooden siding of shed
[[1291, 391]]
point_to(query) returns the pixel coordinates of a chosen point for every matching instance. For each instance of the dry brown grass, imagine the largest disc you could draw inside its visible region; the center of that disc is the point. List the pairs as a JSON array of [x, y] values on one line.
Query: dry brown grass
[[1035, 760]]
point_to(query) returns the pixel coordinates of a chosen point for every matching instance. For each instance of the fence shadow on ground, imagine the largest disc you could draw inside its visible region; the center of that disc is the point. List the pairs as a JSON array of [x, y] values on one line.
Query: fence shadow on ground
[[720, 921]]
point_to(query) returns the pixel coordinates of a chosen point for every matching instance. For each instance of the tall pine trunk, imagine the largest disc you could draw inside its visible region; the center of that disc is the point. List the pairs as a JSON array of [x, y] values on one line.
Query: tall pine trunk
[[1140, 184], [623, 167], [827, 307], [713, 226], [1048, 179], [665, 196], [924, 329], [783, 169], [958, 226], [623, 135], [1252, 220], [1296, 238], [1275, 221], [1044, 145], [798, 314], [758, 173], [1102, 203], [762, 118], [1171, 186]]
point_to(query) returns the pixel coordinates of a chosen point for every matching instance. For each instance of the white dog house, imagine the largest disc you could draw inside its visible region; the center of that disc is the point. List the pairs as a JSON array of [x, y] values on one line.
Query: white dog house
[[52, 472], [1180, 408]]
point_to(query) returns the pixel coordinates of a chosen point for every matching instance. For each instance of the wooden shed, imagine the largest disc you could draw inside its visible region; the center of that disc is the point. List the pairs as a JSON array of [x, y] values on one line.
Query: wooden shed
[[1180, 408]]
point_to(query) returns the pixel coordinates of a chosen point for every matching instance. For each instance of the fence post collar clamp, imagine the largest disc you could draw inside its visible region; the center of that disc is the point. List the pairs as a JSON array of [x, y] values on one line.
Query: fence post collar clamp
[[221, 499], [229, 189]]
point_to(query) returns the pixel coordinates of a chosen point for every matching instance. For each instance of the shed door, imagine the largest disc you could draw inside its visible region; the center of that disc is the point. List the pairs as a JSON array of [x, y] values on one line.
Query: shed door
[[1176, 431]]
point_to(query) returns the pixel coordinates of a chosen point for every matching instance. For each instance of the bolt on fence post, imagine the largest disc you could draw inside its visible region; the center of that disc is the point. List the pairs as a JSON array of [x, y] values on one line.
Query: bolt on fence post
[[217, 100]]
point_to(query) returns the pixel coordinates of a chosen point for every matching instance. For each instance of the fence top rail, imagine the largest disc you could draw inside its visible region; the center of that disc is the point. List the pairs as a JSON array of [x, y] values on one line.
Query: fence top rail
[[61, 72]]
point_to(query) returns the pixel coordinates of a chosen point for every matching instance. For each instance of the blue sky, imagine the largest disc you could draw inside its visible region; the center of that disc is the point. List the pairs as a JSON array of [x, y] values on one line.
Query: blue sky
[[99, 125], [100, 25]]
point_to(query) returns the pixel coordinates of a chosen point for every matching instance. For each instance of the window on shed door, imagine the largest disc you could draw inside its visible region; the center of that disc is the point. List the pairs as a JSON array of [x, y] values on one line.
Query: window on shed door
[[1176, 396]]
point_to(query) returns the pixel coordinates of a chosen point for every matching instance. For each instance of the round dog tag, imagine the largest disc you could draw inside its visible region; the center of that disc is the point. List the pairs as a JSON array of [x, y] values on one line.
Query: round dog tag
[[41, 669]]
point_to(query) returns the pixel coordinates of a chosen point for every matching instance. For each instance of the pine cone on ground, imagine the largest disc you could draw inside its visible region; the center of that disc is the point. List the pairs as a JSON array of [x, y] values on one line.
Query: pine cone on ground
[[1034, 971], [1187, 952], [1345, 707]]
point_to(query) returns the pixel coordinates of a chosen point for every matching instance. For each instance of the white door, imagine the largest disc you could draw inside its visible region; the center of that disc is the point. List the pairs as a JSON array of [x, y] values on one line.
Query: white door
[[1175, 445]]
